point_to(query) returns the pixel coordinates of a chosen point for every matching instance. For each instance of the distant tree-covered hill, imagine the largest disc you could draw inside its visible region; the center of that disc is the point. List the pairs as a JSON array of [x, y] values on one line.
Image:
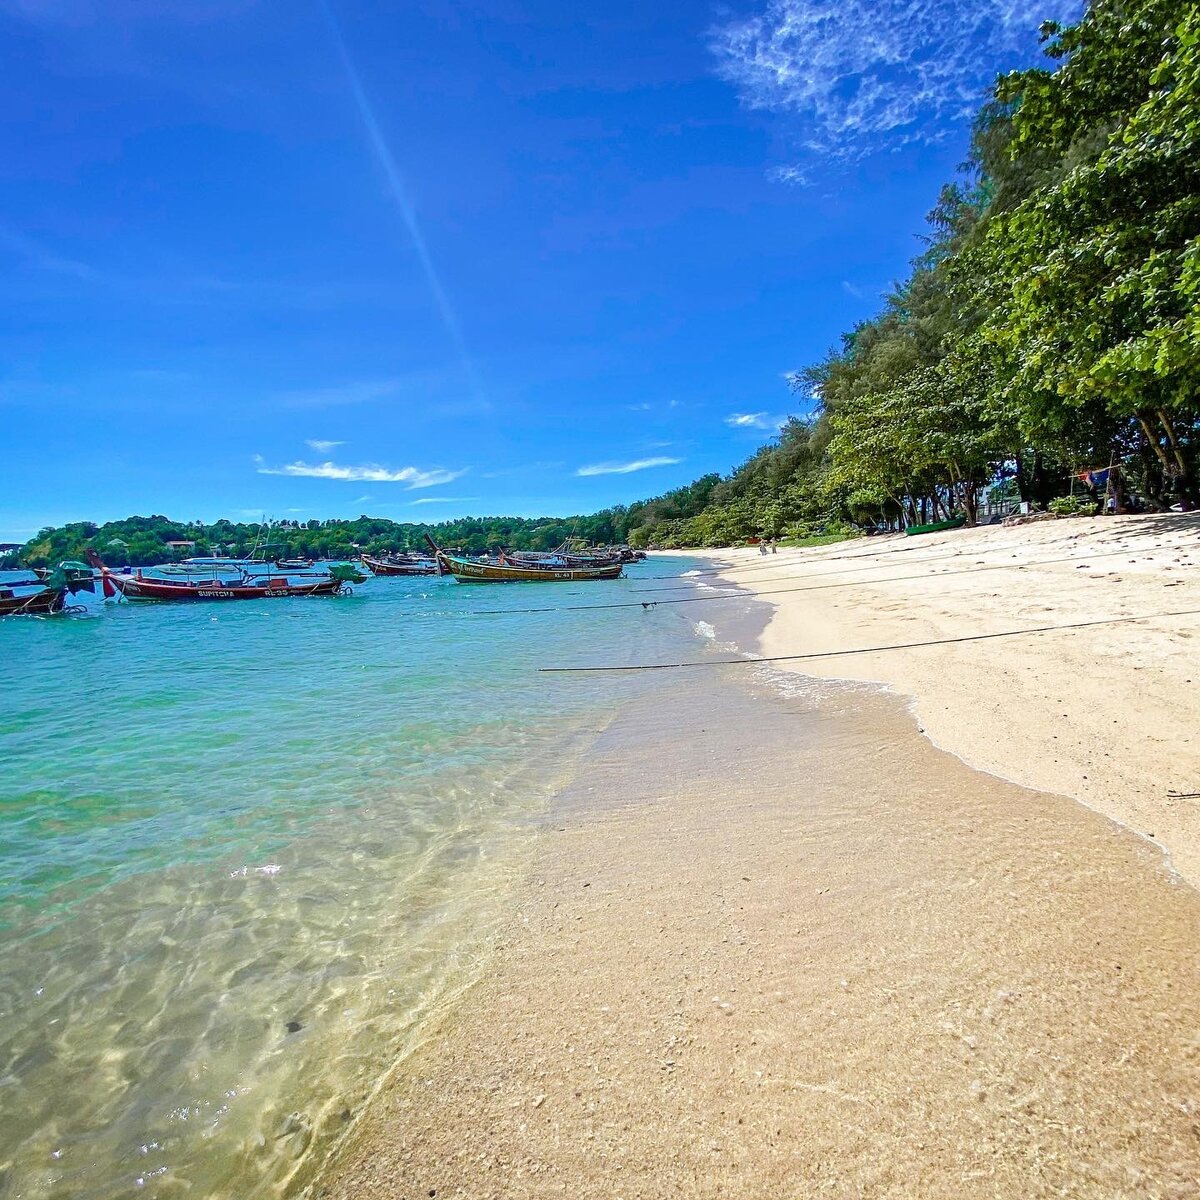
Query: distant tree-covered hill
[[143, 541]]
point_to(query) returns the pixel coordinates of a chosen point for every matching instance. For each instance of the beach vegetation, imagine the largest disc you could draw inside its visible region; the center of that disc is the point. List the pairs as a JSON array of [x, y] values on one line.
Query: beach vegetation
[[1048, 330]]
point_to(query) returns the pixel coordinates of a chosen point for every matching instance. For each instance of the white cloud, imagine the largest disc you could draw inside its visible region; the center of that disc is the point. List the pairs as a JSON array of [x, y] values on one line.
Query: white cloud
[[860, 75], [368, 472], [321, 446], [445, 500], [866, 291], [640, 464], [758, 420]]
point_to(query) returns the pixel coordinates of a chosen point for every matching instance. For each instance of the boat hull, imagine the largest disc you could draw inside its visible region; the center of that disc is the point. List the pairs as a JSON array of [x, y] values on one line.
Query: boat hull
[[936, 527], [134, 588], [45, 603], [467, 571], [378, 567]]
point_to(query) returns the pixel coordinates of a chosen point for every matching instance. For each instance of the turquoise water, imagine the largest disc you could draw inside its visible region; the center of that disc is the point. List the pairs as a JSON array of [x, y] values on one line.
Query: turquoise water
[[247, 850]]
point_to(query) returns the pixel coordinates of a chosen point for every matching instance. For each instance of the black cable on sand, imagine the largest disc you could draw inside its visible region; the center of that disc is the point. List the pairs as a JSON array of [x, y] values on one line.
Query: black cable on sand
[[774, 658], [1004, 566], [810, 587]]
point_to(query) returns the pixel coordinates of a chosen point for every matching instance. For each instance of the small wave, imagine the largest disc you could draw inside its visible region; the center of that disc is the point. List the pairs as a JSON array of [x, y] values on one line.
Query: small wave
[[705, 630]]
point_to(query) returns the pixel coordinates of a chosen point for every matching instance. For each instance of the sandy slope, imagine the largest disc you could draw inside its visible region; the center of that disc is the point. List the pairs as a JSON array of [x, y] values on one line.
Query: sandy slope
[[774, 943], [1109, 715], [782, 946]]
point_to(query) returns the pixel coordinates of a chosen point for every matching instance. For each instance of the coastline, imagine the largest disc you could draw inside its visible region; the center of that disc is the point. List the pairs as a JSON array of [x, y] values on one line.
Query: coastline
[[772, 939], [1108, 715]]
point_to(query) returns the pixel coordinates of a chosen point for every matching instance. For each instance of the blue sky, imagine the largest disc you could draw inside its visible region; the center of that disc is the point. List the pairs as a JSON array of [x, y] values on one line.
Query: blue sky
[[426, 259]]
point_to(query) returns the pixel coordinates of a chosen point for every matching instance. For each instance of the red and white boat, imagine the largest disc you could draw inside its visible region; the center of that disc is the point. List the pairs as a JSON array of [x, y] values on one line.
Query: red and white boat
[[242, 586]]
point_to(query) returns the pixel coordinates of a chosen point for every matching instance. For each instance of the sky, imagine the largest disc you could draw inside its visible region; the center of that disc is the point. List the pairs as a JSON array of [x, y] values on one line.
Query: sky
[[428, 259]]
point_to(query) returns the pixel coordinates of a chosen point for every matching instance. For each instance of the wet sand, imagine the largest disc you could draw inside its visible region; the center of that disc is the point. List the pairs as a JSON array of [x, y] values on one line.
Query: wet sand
[[782, 945], [1108, 714]]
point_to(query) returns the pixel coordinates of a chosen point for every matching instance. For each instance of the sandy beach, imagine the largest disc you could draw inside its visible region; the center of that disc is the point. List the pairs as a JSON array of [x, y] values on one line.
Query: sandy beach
[[774, 941], [1108, 714]]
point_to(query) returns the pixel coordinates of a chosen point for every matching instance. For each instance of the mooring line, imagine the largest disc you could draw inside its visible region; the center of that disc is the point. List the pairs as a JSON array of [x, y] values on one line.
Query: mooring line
[[1038, 562], [879, 550], [810, 587], [773, 658]]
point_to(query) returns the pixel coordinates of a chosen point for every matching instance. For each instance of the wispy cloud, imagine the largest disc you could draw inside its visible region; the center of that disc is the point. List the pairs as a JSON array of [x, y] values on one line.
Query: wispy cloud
[[627, 468], [362, 391], [658, 406], [367, 472], [855, 76], [321, 446], [387, 164], [866, 291], [41, 257], [758, 420], [445, 500]]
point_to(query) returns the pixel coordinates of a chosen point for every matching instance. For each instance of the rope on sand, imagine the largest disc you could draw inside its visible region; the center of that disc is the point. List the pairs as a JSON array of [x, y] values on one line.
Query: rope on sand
[[1004, 566], [774, 658], [738, 593]]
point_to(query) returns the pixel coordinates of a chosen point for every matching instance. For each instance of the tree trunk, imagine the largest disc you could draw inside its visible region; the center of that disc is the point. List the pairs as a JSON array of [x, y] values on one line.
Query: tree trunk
[[1154, 444], [965, 491], [1019, 477], [1187, 485]]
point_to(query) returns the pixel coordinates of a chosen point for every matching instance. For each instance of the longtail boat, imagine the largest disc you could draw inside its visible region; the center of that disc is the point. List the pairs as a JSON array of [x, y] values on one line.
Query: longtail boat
[[504, 570], [242, 586], [400, 565], [16, 600], [560, 558], [45, 595]]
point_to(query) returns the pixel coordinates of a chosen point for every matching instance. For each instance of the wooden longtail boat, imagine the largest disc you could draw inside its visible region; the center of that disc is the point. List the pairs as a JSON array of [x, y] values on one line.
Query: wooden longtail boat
[[411, 566], [45, 601], [139, 587], [243, 586], [555, 558], [50, 590], [468, 570]]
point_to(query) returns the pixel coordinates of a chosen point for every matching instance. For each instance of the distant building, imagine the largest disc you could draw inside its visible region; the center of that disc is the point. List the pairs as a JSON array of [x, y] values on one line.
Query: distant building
[[182, 545], [10, 547]]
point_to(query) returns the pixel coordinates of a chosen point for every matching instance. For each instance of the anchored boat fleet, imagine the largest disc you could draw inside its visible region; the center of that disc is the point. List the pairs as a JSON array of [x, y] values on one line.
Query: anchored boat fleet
[[50, 592]]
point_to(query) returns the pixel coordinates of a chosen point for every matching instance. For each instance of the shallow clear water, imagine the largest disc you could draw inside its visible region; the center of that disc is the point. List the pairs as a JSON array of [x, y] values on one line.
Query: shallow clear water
[[247, 849]]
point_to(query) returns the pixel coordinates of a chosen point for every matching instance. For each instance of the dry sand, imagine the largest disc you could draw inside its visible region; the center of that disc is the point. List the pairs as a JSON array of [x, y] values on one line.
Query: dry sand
[[1109, 715], [775, 943]]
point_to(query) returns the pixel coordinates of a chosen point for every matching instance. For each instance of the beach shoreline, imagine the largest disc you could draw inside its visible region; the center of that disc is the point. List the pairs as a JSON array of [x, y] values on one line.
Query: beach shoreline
[[1107, 714], [774, 940]]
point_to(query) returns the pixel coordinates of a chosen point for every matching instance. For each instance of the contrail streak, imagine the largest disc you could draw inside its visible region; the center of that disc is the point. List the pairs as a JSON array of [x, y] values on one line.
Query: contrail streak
[[383, 156]]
